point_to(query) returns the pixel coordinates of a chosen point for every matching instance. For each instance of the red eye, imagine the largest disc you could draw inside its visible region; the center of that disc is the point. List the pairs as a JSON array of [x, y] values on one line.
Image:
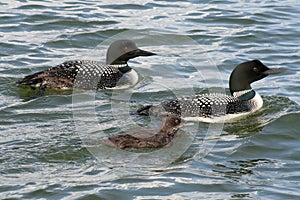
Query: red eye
[[125, 49], [255, 69]]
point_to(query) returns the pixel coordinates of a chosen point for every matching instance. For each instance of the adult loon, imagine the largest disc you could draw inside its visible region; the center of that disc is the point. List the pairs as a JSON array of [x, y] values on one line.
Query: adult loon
[[147, 138], [215, 107], [87, 74]]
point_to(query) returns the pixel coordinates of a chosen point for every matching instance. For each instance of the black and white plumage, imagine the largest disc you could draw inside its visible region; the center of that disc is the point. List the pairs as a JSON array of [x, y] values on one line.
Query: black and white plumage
[[210, 107], [87, 74], [215, 107], [84, 74]]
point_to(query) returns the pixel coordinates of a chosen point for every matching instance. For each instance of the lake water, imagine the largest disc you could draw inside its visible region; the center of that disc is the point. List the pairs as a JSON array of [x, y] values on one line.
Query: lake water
[[50, 147]]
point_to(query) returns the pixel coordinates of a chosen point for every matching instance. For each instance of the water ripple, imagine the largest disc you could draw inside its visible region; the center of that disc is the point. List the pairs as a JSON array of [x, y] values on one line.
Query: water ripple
[[42, 153]]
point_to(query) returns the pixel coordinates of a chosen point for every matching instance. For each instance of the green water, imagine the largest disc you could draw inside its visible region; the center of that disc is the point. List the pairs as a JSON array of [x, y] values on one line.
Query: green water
[[50, 146]]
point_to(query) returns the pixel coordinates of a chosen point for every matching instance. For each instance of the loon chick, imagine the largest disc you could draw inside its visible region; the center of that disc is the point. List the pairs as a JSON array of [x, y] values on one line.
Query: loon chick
[[147, 138], [215, 107], [87, 74]]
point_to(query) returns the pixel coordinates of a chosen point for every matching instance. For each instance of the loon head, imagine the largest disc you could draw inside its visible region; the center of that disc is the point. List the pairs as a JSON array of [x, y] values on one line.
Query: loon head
[[120, 51], [248, 72]]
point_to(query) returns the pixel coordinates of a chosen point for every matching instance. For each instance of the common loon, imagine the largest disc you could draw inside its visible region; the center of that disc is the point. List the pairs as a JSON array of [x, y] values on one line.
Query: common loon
[[87, 74], [217, 107], [147, 138]]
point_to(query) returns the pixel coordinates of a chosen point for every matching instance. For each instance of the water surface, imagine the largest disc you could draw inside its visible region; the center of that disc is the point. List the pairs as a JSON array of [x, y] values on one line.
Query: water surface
[[49, 145]]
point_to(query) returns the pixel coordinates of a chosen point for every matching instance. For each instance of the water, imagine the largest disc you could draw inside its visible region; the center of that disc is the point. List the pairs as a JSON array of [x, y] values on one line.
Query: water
[[50, 146]]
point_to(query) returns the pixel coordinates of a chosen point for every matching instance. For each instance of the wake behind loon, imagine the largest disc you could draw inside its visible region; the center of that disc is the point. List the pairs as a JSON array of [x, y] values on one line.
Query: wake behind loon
[[87, 74], [215, 107]]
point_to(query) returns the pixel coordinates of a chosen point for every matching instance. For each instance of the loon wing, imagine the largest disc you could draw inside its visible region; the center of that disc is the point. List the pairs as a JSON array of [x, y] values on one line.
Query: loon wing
[[54, 75], [203, 105], [80, 74]]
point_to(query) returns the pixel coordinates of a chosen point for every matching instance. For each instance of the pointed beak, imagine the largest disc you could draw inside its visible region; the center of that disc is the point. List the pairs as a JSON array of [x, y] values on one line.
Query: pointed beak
[[274, 71], [140, 52]]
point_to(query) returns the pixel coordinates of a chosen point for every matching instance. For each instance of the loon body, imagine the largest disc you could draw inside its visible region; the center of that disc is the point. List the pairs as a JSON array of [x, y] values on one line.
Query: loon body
[[86, 74], [215, 107], [147, 138]]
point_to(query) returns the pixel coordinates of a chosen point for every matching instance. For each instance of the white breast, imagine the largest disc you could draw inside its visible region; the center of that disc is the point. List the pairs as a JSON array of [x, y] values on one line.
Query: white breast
[[257, 102], [127, 80]]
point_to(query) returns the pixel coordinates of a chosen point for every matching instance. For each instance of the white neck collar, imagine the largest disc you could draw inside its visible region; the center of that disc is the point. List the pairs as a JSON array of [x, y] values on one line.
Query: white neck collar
[[240, 93], [118, 65]]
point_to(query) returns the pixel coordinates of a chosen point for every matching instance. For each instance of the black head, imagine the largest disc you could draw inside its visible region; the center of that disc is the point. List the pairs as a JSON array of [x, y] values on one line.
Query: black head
[[248, 72], [120, 51]]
